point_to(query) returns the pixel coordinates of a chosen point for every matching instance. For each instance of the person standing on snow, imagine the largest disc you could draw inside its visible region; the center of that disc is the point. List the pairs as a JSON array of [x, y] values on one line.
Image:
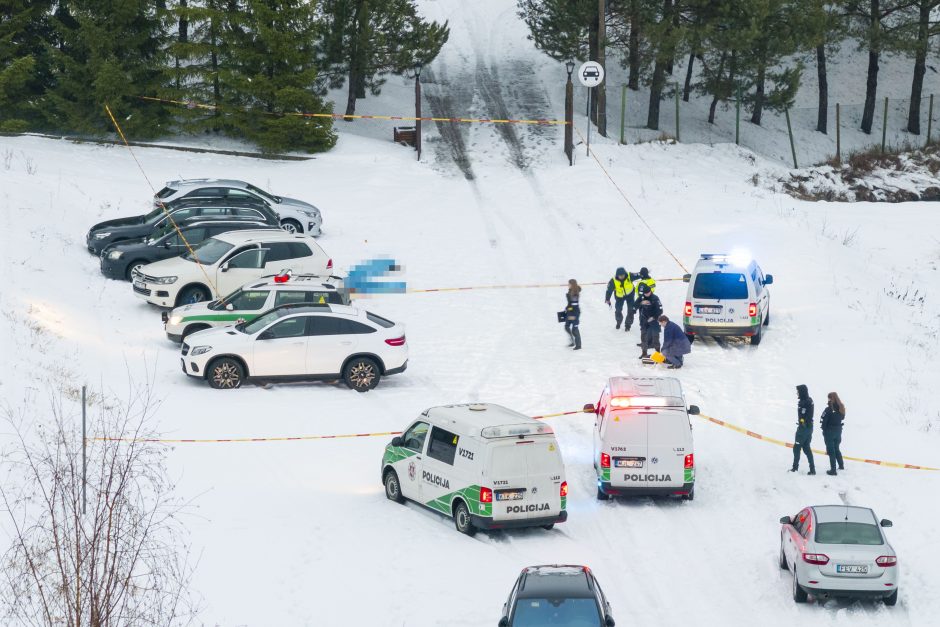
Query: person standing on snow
[[675, 343], [804, 430], [831, 423], [649, 309], [573, 314], [621, 288], [646, 279]]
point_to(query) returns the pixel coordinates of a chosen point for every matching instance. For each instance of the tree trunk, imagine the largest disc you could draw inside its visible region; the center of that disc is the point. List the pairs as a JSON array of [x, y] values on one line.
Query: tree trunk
[[656, 94], [759, 94], [874, 51], [822, 116], [633, 82], [183, 37], [601, 92], [592, 55], [717, 90], [920, 68], [353, 83], [687, 88]]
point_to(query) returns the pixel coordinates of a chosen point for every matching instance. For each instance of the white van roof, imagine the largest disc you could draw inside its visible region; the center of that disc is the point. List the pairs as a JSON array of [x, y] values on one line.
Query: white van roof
[[486, 420], [667, 388]]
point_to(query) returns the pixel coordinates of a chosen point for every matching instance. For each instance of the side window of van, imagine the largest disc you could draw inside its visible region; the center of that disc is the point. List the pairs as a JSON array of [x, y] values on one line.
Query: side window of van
[[414, 437], [443, 446]]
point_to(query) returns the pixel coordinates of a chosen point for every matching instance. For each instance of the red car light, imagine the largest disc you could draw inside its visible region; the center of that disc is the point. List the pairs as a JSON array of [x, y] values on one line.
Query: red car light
[[605, 460], [396, 341], [329, 264], [690, 460], [887, 560], [486, 495], [688, 309], [752, 309], [819, 559], [564, 488]]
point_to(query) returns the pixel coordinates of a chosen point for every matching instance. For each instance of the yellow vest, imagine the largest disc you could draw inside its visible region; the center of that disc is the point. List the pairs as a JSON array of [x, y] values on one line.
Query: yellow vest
[[650, 282], [620, 287]]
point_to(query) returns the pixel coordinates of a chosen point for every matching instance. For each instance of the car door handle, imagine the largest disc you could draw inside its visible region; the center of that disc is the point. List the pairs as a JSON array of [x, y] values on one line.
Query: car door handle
[[346, 343]]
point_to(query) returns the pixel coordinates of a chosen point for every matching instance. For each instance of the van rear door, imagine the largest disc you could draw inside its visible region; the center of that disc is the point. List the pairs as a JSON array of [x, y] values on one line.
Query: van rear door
[[546, 471], [669, 440], [526, 476], [624, 439], [720, 299]]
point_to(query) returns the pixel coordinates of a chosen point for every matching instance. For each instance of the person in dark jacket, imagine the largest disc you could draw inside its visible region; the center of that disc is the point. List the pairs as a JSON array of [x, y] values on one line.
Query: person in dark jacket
[[831, 423], [573, 314], [675, 342], [649, 308], [621, 288], [804, 430]]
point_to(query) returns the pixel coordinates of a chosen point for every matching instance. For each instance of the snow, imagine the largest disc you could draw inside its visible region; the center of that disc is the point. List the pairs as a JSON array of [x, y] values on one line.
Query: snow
[[300, 533]]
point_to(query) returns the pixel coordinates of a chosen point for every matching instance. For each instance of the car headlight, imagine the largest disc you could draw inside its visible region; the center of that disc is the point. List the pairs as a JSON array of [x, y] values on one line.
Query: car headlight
[[164, 280], [103, 235], [115, 254], [174, 320], [199, 350], [313, 213]]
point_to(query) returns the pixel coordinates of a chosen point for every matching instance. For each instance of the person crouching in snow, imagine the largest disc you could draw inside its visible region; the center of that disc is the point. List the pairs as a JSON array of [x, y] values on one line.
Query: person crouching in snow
[[573, 314], [675, 342]]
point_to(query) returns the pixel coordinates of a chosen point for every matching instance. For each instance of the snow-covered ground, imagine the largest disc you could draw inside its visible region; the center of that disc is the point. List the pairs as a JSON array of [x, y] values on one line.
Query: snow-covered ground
[[300, 533]]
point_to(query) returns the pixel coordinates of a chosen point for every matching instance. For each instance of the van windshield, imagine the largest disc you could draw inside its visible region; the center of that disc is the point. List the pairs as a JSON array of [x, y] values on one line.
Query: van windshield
[[542, 612], [720, 286]]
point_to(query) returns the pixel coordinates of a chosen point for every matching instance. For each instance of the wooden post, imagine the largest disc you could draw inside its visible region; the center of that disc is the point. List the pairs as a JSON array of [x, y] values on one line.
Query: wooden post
[[677, 112], [569, 120], [623, 111], [418, 111], [929, 120], [790, 132], [838, 135], [884, 126], [737, 118]]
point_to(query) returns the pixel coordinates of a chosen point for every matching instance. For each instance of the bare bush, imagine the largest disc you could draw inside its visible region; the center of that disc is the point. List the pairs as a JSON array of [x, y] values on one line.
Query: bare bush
[[121, 562], [7, 158], [30, 164], [849, 237]]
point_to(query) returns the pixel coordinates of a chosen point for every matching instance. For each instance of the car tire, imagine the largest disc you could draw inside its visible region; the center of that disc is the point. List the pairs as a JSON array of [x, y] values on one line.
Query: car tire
[[892, 599], [361, 374], [225, 373], [192, 329], [393, 487], [292, 226], [799, 594], [767, 318], [462, 520], [691, 337], [194, 294], [134, 265], [783, 559], [755, 339], [602, 496]]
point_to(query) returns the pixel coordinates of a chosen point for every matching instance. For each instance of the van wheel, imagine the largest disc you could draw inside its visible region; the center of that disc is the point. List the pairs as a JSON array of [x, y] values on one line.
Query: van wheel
[[601, 496], [361, 374], [799, 594], [690, 496], [548, 527], [392, 487], [225, 374], [755, 339], [892, 599], [462, 519]]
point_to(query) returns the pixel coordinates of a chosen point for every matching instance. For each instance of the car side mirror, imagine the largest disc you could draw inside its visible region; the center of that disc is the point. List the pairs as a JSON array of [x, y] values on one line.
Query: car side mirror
[[693, 410], [609, 621], [503, 622], [589, 409], [886, 523], [223, 267], [267, 335], [397, 441], [768, 279], [686, 278], [785, 520], [166, 244], [229, 307]]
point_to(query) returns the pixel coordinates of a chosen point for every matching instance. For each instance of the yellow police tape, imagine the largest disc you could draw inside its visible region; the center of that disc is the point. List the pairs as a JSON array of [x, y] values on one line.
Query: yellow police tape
[[758, 436]]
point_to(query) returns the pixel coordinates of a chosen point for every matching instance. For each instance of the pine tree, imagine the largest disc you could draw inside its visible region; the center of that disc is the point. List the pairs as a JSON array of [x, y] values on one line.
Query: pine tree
[[25, 35], [922, 26], [824, 30], [562, 29], [727, 36], [665, 34], [269, 76], [364, 40], [108, 52]]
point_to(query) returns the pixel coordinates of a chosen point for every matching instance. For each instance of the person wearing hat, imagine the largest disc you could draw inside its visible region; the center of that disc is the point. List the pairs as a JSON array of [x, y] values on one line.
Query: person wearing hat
[[622, 289], [646, 279], [804, 430], [573, 314], [649, 309], [675, 343]]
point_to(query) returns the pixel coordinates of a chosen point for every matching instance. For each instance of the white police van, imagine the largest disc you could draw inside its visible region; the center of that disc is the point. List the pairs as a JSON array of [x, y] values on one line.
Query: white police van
[[486, 466], [727, 296], [643, 439]]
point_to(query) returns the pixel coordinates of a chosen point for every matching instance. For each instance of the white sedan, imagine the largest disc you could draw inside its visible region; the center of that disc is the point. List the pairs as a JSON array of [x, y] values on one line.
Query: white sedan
[[299, 342], [838, 551]]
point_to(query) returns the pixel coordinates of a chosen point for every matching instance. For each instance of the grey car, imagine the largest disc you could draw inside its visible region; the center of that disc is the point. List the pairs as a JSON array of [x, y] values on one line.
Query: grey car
[[556, 595]]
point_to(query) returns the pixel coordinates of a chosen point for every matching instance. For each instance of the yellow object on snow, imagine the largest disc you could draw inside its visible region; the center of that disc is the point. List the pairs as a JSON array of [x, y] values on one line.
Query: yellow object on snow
[[658, 357]]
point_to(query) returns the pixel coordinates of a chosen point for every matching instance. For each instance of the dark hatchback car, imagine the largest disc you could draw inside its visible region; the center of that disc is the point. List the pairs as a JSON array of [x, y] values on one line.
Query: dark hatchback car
[[136, 227], [556, 596], [120, 259]]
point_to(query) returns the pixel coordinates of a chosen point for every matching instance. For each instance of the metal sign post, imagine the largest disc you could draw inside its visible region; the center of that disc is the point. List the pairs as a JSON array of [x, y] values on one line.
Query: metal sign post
[[590, 74]]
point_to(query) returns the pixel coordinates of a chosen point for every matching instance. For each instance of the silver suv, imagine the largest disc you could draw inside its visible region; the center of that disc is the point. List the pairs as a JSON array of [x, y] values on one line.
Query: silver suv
[[296, 216]]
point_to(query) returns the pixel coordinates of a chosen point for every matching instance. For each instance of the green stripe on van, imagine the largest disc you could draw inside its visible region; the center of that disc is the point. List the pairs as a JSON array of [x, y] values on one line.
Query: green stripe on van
[[396, 454], [227, 317], [689, 475], [470, 495]]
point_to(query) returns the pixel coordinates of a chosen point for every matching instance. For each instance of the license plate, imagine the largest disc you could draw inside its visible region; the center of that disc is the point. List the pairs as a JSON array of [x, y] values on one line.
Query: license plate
[[510, 495], [628, 463], [708, 310], [138, 284], [854, 570]]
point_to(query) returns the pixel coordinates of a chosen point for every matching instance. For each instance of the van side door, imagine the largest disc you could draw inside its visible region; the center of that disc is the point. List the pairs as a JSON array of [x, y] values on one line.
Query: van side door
[[409, 462], [438, 482]]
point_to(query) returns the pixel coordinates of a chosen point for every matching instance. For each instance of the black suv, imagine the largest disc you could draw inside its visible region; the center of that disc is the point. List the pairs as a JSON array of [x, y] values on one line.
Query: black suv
[[562, 596], [120, 259], [135, 227]]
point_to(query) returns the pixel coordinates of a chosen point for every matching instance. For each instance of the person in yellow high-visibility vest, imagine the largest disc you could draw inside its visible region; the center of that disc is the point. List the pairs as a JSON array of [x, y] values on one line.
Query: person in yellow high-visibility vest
[[645, 278], [621, 288]]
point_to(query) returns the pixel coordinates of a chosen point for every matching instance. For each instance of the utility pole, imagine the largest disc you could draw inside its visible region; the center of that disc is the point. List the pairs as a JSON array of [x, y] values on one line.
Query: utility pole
[[418, 109], [569, 114], [601, 91]]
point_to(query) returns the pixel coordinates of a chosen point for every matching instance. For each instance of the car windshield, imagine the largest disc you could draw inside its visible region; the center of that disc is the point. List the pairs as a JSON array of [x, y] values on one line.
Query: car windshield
[[208, 251], [848, 533], [154, 214], [567, 612], [271, 197], [720, 286], [261, 321], [159, 233]]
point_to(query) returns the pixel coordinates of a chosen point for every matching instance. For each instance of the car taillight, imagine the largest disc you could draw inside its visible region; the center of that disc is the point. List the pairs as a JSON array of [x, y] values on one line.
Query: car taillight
[[816, 558], [690, 460], [688, 309], [396, 341], [887, 560], [605, 460], [486, 495], [752, 309], [329, 264], [564, 491]]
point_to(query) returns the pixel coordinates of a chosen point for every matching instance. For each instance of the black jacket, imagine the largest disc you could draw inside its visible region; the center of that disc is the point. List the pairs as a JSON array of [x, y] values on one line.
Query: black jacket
[[804, 408], [649, 307], [831, 420], [573, 310]]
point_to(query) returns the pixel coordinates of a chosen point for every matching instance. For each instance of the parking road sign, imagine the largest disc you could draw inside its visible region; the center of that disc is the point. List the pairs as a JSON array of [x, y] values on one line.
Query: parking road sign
[[591, 74]]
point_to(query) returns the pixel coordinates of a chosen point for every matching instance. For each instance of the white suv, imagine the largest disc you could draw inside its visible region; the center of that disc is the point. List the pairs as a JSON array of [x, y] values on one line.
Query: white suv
[[296, 216], [225, 263], [297, 342], [727, 296]]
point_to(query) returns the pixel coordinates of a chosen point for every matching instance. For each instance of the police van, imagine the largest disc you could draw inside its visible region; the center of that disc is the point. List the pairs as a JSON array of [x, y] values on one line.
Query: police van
[[727, 296], [643, 439], [486, 466]]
